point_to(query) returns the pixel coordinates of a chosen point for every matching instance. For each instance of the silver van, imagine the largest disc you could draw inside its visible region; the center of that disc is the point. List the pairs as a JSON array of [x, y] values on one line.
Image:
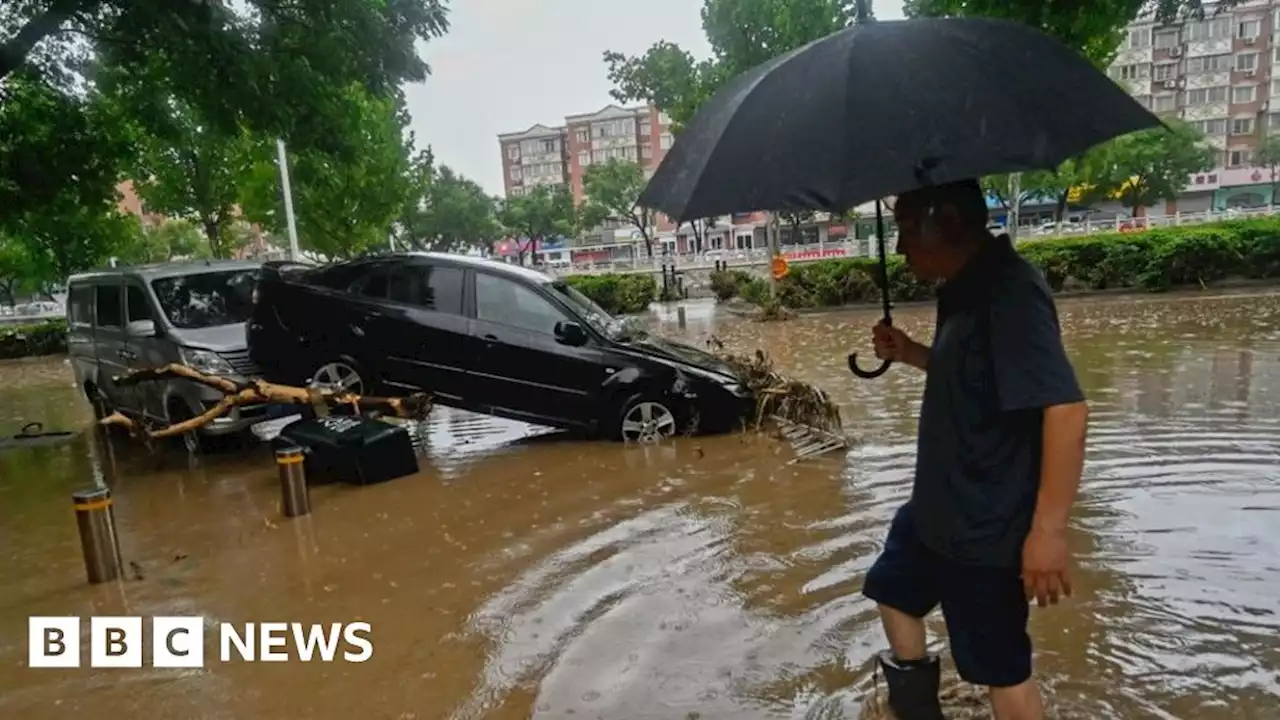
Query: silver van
[[192, 313]]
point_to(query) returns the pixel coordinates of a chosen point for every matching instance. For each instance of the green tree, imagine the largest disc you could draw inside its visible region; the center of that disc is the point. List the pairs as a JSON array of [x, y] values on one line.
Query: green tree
[[269, 65], [1267, 155], [344, 205], [540, 213], [170, 240], [453, 214], [1144, 167], [612, 189], [742, 34], [15, 268]]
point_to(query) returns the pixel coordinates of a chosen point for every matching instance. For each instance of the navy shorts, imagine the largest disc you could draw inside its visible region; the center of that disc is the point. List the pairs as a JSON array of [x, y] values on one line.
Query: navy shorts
[[985, 608]]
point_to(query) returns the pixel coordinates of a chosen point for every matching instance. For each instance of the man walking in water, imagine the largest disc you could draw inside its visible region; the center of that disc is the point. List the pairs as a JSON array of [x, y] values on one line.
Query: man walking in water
[[999, 457]]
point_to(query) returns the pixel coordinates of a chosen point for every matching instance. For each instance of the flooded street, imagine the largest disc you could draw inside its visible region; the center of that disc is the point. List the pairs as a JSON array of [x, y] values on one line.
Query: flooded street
[[524, 575]]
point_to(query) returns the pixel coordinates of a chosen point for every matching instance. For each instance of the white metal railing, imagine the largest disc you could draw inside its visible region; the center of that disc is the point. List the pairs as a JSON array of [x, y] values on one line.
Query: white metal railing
[[867, 246]]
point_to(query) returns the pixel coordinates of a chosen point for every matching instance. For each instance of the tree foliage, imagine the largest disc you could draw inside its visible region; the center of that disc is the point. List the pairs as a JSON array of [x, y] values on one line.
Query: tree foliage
[[271, 66], [1144, 167], [1267, 155], [453, 214], [344, 204], [612, 189], [742, 34], [541, 213]]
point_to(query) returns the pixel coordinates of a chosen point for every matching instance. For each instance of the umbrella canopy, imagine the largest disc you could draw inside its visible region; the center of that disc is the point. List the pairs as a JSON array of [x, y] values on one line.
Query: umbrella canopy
[[887, 107]]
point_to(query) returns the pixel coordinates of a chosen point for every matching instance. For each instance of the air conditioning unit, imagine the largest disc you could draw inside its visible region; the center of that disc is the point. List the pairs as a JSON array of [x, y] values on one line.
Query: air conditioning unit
[[1175, 51], [1250, 40], [1170, 84], [1250, 73]]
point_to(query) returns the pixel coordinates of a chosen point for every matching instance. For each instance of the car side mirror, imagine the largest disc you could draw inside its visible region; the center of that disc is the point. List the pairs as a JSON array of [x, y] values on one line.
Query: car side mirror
[[141, 329], [570, 333]]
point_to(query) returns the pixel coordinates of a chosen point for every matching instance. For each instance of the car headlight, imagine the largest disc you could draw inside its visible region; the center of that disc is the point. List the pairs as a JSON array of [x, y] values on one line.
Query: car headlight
[[206, 361]]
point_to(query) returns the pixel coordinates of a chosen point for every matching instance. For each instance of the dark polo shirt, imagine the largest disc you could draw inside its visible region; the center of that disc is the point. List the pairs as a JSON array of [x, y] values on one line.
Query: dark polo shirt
[[997, 361]]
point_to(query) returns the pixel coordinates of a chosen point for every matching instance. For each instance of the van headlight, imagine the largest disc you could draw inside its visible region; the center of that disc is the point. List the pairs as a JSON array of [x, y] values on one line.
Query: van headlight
[[206, 361]]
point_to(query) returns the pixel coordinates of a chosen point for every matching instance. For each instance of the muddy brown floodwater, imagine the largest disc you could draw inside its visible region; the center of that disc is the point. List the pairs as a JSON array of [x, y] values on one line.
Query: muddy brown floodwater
[[520, 576]]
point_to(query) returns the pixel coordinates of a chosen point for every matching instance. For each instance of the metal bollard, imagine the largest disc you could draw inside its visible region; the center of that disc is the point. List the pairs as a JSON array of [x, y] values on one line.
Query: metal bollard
[[680, 317], [295, 499], [96, 520]]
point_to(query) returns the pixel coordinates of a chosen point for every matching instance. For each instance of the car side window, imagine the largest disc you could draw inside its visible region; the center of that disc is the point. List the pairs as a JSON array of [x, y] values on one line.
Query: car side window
[[136, 305], [372, 284], [442, 289], [502, 301], [109, 310], [404, 285], [82, 305]]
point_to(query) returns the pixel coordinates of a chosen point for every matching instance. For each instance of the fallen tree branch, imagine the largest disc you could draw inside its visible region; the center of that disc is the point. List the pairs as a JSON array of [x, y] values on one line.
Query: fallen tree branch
[[252, 392]]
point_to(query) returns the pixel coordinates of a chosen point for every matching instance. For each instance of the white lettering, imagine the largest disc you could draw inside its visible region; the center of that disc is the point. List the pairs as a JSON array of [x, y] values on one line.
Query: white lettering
[[272, 635], [352, 636], [316, 637], [115, 642], [244, 644]]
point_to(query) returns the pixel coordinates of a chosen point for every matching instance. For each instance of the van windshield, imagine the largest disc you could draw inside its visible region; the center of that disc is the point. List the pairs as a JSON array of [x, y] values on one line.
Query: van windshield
[[207, 299]]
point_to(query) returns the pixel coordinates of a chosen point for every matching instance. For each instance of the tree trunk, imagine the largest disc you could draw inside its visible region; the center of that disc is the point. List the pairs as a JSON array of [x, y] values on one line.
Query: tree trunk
[[1061, 210], [14, 52], [213, 231]]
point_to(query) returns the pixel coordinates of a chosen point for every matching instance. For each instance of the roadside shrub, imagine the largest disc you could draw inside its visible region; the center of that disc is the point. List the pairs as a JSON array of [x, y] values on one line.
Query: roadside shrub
[[728, 284], [43, 338], [1153, 260], [617, 293]]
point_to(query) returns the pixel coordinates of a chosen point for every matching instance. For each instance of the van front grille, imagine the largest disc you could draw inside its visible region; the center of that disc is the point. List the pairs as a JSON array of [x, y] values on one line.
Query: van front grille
[[241, 363]]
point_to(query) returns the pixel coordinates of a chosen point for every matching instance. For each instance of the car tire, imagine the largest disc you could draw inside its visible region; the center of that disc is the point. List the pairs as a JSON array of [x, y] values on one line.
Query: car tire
[[646, 418], [339, 370], [190, 441], [98, 402]]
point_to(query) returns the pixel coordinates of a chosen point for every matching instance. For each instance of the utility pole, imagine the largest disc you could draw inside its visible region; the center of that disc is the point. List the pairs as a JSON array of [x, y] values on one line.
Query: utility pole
[[1015, 204], [294, 253]]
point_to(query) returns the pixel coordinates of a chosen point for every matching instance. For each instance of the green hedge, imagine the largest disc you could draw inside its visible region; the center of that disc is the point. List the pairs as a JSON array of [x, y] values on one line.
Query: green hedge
[[1152, 260], [44, 338], [618, 294]]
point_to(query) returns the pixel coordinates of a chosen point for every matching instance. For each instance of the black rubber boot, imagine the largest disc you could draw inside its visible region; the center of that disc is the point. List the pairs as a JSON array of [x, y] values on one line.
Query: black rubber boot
[[913, 686]]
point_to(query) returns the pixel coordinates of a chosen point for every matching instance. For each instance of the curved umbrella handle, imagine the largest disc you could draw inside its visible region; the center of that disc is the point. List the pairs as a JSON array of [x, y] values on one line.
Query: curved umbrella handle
[[867, 374]]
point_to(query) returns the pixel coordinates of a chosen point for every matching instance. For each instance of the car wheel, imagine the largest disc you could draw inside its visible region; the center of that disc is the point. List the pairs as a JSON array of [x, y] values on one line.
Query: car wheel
[[645, 418], [99, 402], [190, 440], [341, 375]]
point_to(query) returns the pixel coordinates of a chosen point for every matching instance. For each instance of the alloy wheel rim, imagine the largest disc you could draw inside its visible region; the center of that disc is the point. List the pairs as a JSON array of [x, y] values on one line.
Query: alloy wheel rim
[[648, 422], [338, 377]]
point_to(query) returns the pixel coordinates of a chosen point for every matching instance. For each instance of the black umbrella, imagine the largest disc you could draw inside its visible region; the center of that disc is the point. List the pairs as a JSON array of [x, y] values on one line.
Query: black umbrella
[[883, 108]]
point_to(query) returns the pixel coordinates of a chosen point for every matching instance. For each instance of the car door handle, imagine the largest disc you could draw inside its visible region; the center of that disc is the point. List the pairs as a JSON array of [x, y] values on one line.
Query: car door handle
[[126, 355], [490, 340]]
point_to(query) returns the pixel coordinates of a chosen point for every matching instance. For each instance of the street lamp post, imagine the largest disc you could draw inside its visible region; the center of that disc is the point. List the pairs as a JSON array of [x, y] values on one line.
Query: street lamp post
[[283, 159]]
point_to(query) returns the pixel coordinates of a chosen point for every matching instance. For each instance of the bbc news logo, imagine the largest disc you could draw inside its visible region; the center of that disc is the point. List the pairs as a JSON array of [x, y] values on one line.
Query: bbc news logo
[[179, 642]]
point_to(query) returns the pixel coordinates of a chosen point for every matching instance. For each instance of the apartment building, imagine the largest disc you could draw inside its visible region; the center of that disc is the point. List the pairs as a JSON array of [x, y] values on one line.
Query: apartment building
[[562, 154], [1222, 75]]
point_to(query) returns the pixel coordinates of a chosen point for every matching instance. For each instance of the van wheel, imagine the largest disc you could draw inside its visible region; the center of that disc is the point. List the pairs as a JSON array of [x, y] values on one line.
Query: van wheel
[[101, 406], [646, 418], [190, 440]]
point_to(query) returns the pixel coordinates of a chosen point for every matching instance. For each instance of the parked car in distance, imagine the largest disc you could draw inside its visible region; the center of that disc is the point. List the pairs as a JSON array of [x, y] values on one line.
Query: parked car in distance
[[487, 337], [192, 313]]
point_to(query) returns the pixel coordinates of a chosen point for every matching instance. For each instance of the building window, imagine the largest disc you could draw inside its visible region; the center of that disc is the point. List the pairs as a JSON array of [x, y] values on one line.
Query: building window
[[664, 142], [1167, 39], [1216, 28], [516, 173], [1139, 38], [1164, 103], [1248, 29], [584, 158], [645, 129], [1241, 126], [1214, 126], [1164, 71], [646, 151], [1209, 63], [1273, 122], [582, 135], [1247, 61], [1239, 157], [1137, 71], [513, 152], [1206, 96], [550, 146], [664, 118], [1243, 94], [1143, 100]]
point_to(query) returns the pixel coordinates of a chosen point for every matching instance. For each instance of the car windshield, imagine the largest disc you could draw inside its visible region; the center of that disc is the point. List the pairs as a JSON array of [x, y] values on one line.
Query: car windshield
[[207, 299], [595, 315]]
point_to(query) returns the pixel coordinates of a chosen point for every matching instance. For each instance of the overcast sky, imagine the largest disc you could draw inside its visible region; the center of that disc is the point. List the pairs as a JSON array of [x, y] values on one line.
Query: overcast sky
[[508, 64]]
